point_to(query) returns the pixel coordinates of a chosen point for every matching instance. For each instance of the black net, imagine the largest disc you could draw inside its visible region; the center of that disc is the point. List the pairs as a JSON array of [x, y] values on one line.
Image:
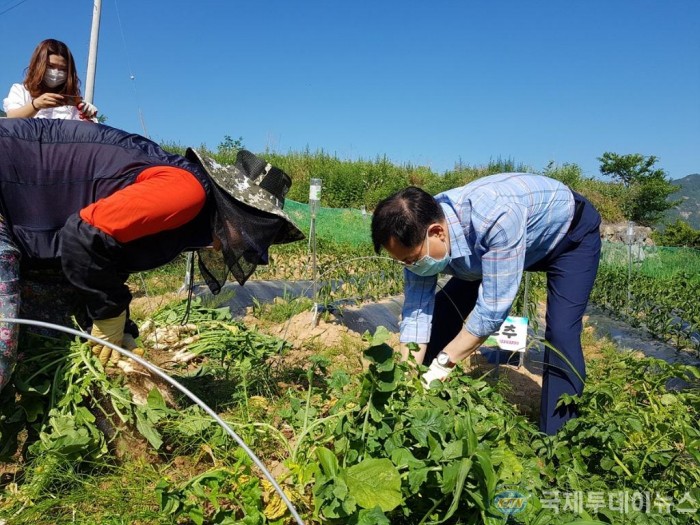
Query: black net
[[246, 234], [212, 268]]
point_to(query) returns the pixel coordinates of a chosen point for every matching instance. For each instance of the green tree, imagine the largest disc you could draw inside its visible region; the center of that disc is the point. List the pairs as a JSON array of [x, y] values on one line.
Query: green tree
[[678, 233], [569, 174], [228, 148], [229, 144], [648, 189]]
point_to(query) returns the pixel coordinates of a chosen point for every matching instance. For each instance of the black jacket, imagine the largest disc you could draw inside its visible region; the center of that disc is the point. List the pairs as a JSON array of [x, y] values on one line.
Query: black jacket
[[51, 169]]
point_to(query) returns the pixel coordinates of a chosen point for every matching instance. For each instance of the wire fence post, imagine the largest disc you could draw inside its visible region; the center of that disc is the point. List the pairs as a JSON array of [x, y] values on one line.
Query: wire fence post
[[524, 312], [314, 201], [189, 274], [630, 239]]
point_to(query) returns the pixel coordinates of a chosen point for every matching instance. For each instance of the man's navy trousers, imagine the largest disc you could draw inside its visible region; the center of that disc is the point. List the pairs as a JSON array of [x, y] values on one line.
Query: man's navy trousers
[[571, 269]]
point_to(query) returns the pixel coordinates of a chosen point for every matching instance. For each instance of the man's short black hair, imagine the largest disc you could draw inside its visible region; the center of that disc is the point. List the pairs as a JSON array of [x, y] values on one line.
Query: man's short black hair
[[405, 215]]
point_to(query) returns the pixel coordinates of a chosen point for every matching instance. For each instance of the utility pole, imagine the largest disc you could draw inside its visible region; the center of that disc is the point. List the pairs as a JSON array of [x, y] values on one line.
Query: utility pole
[[92, 56]]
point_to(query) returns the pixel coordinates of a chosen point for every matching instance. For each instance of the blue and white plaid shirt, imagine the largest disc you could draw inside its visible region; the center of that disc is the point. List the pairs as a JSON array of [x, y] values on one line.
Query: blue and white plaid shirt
[[498, 226]]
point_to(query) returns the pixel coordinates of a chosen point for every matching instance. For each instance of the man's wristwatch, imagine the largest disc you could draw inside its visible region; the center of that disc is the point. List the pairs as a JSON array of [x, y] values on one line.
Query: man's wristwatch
[[444, 360]]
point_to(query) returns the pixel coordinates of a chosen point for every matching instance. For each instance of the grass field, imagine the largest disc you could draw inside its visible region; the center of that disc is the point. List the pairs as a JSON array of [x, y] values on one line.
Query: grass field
[[654, 261]]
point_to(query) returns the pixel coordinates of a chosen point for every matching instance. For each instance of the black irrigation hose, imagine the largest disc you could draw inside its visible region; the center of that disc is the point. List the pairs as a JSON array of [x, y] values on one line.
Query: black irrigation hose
[[157, 371]]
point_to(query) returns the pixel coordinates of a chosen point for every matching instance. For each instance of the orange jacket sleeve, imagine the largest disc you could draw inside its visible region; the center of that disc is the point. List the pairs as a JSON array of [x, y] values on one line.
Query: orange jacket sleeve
[[161, 198]]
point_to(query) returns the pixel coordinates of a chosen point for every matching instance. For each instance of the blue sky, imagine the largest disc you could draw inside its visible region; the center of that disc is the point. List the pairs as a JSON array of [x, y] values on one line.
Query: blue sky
[[427, 83]]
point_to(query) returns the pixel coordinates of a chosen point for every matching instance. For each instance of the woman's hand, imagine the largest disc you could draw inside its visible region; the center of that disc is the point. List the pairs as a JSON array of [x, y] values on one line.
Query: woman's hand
[[87, 111], [48, 100]]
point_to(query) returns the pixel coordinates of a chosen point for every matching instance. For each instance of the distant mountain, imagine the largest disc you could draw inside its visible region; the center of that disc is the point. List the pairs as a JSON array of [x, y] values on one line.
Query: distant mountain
[[689, 207]]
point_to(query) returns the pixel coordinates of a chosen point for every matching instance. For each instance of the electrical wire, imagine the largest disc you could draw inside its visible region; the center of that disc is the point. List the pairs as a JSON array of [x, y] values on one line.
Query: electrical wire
[[12, 7], [157, 371], [132, 77]]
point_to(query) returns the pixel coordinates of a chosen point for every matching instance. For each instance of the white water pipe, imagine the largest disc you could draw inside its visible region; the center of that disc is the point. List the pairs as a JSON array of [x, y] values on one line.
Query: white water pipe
[[157, 371]]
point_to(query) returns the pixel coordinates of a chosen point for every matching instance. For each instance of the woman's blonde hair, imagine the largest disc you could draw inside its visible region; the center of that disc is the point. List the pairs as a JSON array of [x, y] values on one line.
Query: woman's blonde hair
[[39, 63]]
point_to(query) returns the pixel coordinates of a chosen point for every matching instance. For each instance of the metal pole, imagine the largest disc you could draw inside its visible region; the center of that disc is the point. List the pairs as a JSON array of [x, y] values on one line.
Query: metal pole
[[630, 238], [524, 313], [189, 277], [526, 293], [629, 278], [314, 204], [92, 56], [314, 270]]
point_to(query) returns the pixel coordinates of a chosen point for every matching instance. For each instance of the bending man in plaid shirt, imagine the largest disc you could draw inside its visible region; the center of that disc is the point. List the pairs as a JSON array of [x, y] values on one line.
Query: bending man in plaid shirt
[[484, 235]]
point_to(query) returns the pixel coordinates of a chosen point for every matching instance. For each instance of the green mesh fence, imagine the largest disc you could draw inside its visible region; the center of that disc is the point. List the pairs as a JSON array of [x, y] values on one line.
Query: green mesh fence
[[341, 225], [351, 227]]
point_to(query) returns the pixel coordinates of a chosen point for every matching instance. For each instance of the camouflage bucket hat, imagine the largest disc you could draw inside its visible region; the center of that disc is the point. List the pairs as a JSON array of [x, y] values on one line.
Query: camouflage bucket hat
[[254, 182]]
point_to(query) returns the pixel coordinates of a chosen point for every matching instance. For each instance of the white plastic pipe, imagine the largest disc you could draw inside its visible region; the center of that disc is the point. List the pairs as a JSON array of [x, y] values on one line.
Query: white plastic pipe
[[157, 371]]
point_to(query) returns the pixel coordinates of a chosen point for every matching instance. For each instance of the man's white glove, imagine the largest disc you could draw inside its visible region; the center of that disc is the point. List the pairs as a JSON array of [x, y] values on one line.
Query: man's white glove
[[435, 371]]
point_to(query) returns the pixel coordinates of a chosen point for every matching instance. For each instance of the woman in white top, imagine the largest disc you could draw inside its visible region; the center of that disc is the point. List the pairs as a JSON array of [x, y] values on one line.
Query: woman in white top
[[51, 88]]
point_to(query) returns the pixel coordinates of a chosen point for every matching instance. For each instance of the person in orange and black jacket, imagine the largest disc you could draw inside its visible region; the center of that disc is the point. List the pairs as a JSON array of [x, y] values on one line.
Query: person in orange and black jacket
[[99, 203]]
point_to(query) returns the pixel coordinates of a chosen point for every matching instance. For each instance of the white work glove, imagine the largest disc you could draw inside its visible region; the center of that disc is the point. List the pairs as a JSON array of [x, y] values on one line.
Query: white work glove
[[435, 371], [87, 111]]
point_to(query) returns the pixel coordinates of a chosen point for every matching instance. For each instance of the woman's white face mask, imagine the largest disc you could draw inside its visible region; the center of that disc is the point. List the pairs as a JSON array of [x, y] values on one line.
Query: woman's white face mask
[[54, 77]]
